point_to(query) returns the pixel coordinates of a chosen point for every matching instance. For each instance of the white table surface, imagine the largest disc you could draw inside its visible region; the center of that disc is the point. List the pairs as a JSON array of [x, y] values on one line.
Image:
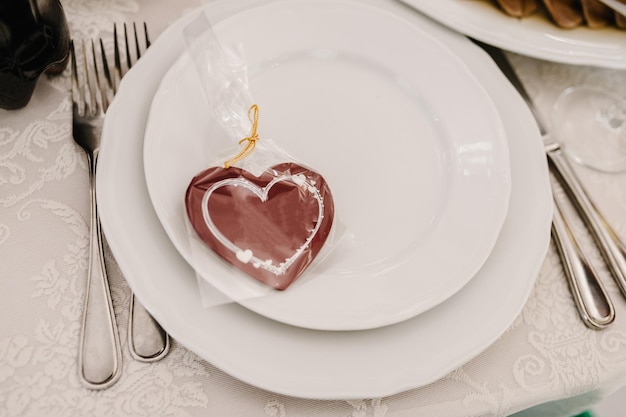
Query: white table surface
[[548, 363]]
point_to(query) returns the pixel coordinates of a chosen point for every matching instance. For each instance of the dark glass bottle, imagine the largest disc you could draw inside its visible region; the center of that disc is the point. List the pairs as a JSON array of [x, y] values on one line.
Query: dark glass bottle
[[34, 38]]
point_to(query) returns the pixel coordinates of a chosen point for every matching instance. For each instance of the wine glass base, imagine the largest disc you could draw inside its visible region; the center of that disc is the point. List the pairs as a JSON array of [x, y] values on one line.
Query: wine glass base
[[591, 126]]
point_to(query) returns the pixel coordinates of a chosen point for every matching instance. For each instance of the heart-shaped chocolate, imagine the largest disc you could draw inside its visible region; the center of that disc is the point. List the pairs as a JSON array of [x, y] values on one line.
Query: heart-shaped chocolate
[[270, 227]]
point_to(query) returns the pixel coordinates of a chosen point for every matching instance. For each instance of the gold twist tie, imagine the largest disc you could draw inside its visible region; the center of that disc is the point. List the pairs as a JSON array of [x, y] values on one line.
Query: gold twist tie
[[250, 140]]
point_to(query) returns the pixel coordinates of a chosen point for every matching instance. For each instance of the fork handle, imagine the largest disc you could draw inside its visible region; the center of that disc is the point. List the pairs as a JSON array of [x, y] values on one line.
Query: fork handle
[[609, 243], [147, 341], [100, 355], [592, 301]]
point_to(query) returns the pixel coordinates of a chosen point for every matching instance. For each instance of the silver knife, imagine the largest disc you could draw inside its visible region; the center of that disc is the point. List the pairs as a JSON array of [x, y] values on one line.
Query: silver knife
[[593, 303], [584, 277]]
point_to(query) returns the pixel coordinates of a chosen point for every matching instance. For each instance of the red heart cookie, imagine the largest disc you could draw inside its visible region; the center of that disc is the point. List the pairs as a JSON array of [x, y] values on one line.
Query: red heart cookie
[[270, 227]]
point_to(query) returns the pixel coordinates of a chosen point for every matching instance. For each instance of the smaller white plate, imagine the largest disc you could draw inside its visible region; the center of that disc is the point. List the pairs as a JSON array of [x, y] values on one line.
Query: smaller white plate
[[533, 36], [410, 143]]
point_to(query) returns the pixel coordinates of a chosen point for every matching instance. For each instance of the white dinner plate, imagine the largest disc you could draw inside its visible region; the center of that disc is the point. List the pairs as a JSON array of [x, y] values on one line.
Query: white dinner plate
[[533, 36], [311, 363], [407, 138]]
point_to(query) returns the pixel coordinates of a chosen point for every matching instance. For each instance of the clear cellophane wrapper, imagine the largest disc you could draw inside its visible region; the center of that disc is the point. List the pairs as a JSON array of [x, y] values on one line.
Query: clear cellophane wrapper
[[260, 218]]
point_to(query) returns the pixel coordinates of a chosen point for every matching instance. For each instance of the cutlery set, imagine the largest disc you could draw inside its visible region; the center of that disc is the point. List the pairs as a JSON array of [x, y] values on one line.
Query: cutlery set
[[593, 303], [94, 84]]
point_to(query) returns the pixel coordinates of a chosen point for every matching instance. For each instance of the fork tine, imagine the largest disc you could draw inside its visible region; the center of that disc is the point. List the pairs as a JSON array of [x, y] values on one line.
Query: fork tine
[[128, 60], [96, 78], [77, 93], [105, 66], [116, 58], [100, 85], [145, 31], [137, 48], [89, 85]]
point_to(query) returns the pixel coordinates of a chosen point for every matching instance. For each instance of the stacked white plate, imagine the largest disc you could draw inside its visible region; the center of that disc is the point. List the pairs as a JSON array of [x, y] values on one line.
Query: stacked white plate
[[446, 200]]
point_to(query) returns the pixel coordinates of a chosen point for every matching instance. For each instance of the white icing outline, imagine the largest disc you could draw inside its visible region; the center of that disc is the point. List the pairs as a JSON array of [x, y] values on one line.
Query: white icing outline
[[262, 194]]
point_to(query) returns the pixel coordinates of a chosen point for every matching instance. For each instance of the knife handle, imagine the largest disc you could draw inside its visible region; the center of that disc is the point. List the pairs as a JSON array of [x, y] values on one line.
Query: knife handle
[[609, 243], [592, 301]]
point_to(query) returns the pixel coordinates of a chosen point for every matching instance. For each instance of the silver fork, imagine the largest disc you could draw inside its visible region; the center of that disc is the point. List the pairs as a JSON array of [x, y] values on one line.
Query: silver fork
[[147, 341], [99, 351], [99, 355]]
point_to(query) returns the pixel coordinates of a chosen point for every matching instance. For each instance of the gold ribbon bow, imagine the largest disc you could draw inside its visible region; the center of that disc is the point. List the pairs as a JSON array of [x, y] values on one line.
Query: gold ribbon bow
[[250, 140]]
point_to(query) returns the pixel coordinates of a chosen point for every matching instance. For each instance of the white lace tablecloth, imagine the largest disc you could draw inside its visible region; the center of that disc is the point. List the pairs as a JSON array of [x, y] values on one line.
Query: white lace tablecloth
[[548, 363]]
